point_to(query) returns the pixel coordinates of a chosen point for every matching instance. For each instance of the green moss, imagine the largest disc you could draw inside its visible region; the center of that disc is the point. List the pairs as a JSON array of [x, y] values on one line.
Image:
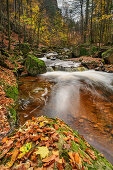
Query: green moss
[[11, 92], [84, 52], [13, 113], [93, 50], [5, 53], [25, 48], [108, 56], [34, 65]]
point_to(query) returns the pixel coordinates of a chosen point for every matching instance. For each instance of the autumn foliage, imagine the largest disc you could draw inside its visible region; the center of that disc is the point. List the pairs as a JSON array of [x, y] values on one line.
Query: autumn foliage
[[44, 143]]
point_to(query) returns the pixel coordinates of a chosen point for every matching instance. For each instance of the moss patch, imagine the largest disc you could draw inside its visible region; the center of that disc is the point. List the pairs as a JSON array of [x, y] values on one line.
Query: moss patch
[[34, 65], [11, 92]]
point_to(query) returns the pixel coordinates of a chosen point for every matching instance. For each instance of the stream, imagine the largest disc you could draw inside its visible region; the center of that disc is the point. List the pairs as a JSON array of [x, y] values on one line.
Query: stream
[[84, 100]]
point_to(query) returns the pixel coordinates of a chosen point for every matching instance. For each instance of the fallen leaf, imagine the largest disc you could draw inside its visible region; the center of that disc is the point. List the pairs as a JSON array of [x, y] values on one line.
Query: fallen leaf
[[56, 127], [42, 151], [56, 153], [49, 160], [13, 158], [91, 153], [4, 140], [71, 156], [77, 159], [76, 140]]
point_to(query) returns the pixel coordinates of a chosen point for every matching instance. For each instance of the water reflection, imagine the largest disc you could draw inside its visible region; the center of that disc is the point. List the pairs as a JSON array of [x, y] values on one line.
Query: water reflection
[[84, 100]]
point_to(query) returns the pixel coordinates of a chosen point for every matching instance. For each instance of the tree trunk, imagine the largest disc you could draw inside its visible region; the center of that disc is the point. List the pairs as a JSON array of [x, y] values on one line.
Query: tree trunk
[[82, 25], [86, 20], [91, 28], [9, 44]]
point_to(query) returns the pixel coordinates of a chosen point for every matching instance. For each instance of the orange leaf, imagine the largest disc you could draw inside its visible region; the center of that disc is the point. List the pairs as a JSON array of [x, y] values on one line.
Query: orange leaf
[[4, 140], [77, 159], [71, 156], [56, 127], [91, 154], [13, 158], [76, 140]]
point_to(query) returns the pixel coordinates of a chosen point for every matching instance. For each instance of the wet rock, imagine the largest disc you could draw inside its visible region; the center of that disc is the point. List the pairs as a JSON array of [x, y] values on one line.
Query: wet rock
[[34, 65], [51, 55], [108, 56]]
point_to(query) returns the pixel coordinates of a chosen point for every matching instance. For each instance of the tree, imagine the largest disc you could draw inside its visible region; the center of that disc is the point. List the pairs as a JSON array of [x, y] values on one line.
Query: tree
[[9, 44]]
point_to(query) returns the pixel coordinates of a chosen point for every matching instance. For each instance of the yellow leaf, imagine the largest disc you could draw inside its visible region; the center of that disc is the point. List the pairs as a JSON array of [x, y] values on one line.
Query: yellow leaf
[[56, 153], [42, 151], [24, 150]]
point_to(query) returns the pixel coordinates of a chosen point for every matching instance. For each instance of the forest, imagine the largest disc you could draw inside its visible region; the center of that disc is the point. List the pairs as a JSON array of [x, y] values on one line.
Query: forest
[[56, 84]]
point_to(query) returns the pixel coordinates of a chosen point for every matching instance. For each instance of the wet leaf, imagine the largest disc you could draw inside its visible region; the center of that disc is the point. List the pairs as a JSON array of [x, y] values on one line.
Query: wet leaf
[[49, 160], [24, 150], [91, 154], [76, 140], [13, 158], [4, 140], [42, 151], [77, 159], [56, 127]]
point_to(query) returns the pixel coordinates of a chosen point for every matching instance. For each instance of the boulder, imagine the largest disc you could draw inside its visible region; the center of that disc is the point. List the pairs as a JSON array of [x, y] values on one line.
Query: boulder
[[108, 56], [34, 65]]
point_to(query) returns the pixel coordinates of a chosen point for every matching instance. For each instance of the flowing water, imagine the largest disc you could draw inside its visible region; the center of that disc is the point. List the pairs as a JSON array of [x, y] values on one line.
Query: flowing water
[[84, 100]]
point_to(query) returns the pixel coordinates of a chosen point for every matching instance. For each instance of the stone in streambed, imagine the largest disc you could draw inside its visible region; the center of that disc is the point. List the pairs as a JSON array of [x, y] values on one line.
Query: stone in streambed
[[34, 66], [108, 56]]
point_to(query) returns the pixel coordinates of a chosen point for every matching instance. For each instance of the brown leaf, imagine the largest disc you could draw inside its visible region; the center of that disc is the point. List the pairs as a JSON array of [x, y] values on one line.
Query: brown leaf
[[77, 159], [91, 153], [87, 161], [65, 133], [5, 152], [13, 158], [4, 140], [35, 138], [71, 156], [66, 138], [39, 130], [76, 140], [56, 127], [49, 159]]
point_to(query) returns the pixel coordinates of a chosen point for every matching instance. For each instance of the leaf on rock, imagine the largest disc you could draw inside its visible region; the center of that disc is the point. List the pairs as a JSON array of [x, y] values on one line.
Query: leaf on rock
[[42, 151], [78, 159], [56, 127], [13, 158], [24, 150], [4, 140], [91, 154]]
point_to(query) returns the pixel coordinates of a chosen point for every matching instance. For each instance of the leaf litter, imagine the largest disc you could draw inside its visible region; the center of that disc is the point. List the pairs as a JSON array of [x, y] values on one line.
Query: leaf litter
[[44, 143]]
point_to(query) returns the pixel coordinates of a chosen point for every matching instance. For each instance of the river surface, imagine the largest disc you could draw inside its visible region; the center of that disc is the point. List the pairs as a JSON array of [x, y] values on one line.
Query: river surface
[[84, 100]]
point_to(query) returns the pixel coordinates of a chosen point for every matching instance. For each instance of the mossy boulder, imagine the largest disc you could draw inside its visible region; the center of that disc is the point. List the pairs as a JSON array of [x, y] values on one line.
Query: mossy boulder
[[34, 65], [108, 56]]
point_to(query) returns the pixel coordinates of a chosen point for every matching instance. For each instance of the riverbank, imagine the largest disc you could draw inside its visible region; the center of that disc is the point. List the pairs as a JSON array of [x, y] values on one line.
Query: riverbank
[[45, 143], [8, 97], [96, 64]]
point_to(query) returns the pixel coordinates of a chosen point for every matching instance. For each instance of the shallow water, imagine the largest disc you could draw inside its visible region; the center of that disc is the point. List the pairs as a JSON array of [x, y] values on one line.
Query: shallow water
[[84, 100]]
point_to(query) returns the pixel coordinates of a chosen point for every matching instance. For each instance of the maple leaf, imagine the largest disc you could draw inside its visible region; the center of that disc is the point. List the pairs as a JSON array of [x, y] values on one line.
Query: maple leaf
[[42, 151]]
